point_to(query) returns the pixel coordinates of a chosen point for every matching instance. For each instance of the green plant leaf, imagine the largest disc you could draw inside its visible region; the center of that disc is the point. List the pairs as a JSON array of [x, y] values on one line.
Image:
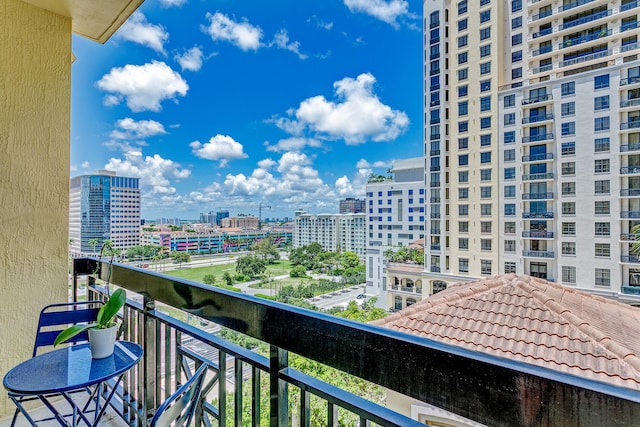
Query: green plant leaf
[[111, 308], [71, 332]]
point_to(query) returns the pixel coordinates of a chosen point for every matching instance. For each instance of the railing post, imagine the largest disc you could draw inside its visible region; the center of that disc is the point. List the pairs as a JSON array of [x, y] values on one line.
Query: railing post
[[148, 344], [278, 390]]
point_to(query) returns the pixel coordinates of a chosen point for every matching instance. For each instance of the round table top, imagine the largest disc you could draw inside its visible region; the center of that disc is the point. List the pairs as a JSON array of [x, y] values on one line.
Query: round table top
[[70, 368]]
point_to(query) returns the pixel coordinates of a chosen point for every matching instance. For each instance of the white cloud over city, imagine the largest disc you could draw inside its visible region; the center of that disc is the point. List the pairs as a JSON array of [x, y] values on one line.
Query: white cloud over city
[[128, 128], [220, 147], [142, 87], [356, 116], [136, 29], [386, 11]]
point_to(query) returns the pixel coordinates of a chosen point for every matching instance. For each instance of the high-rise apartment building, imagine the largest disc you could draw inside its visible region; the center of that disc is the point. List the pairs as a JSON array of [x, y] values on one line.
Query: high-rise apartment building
[[395, 217], [351, 205], [334, 232], [535, 107], [103, 206]]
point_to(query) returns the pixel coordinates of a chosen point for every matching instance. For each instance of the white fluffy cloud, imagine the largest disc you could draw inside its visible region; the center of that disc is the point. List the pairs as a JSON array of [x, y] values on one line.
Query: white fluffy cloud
[[281, 41], [219, 147], [138, 30], [128, 128], [357, 116], [170, 3], [143, 87], [242, 34], [191, 59], [293, 144], [386, 11], [364, 164], [155, 173]]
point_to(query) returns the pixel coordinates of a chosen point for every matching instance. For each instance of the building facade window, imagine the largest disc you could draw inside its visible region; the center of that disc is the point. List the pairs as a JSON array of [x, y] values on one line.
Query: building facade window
[[603, 277], [568, 274]]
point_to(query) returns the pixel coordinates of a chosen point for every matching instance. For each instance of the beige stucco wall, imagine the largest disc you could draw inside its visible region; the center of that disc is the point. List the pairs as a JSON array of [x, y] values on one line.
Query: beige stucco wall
[[35, 103]]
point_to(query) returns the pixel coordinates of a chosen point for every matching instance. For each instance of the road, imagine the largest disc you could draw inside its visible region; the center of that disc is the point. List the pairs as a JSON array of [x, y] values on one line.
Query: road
[[337, 298]]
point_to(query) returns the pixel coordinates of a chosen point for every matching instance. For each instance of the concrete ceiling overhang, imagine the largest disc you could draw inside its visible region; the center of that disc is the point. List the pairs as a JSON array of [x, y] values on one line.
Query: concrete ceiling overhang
[[94, 19]]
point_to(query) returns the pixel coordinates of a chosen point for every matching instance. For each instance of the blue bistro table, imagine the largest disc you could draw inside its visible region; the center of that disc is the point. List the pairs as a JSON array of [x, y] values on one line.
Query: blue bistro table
[[61, 371]]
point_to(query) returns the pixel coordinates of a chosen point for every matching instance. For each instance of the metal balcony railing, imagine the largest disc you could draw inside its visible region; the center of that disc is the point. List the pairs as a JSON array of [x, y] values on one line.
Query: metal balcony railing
[[435, 231], [537, 234], [435, 247], [629, 214], [536, 215], [584, 19], [536, 99], [435, 269], [631, 290], [542, 50], [536, 119], [537, 196], [627, 237], [629, 170], [631, 259], [585, 58], [628, 47], [542, 68], [537, 176], [630, 192], [630, 80], [632, 124], [537, 157], [629, 103], [539, 254], [536, 138], [628, 6], [351, 347], [628, 26], [573, 4], [542, 33], [629, 147], [584, 39]]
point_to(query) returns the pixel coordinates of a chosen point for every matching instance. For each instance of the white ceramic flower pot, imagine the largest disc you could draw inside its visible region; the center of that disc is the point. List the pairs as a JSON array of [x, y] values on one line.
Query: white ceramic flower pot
[[102, 341]]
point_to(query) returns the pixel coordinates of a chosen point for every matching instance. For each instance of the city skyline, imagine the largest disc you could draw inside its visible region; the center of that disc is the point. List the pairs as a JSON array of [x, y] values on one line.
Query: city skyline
[[226, 106]]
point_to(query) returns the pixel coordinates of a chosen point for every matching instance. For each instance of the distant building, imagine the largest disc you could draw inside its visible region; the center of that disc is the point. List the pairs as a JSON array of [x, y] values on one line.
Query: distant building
[[208, 218], [351, 205], [239, 222], [220, 215], [395, 217], [103, 206], [169, 221], [334, 232]]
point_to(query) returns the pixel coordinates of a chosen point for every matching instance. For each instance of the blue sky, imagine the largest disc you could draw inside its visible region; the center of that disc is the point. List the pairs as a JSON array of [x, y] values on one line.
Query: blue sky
[[228, 104]]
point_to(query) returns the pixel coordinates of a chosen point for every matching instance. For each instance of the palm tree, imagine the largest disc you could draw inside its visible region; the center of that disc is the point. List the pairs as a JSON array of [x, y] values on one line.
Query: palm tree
[[635, 246], [93, 243]]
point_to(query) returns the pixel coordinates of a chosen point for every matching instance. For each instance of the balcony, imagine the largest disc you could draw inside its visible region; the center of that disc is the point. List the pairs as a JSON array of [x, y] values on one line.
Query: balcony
[[628, 6], [435, 247], [251, 377], [537, 234], [632, 124], [435, 231], [631, 290], [434, 269], [629, 214], [536, 119], [586, 58], [585, 19], [628, 26], [629, 147], [630, 259], [542, 68], [584, 39], [627, 237], [630, 192], [538, 254], [629, 170], [537, 215], [434, 199], [537, 99], [630, 81], [573, 4], [537, 138], [537, 157], [542, 33], [629, 103], [407, 289], [537, 176], [537, 196]]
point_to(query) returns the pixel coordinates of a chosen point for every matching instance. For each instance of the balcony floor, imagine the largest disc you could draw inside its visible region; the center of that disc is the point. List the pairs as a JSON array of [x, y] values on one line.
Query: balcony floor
[[109, 419]]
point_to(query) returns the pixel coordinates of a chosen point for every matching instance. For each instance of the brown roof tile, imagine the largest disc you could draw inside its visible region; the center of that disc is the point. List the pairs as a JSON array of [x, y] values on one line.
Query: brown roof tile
[[534, 321]]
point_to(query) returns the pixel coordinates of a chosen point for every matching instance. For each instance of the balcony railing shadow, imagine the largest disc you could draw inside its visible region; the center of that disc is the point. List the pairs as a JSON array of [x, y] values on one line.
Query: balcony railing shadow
[[490, 390]]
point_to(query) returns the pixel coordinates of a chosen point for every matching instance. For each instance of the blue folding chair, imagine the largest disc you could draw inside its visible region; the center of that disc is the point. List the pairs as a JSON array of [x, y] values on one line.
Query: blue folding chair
[[179, 408], [53, 319]]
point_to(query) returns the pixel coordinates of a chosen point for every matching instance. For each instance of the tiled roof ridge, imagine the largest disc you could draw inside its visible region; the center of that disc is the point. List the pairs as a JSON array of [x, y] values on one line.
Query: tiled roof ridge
[[598, 336]]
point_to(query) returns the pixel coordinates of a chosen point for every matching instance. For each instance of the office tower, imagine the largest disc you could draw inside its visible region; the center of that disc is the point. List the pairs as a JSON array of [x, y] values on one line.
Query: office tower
[[351, 205], [395, 218], [220, 215], [543, 141], [102, 207]]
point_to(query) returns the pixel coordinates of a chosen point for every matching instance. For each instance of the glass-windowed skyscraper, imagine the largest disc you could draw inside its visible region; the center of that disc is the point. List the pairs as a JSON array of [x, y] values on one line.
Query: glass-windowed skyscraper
[[102, 207]]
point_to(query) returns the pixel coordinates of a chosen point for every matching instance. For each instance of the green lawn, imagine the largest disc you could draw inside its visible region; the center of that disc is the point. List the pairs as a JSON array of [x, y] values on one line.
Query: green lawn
[[197, 273]]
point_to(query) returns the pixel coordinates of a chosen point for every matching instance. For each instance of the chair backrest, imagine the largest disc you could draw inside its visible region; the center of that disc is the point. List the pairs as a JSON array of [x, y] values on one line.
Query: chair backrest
[[179, 408], [57, 317]]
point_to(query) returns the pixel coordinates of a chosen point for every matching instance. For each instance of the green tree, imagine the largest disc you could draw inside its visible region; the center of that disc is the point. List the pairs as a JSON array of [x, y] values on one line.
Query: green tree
[[267, 250], [298, 271], [227, 279], [251, 266], [635, 246], [180, 257], [209, 279], [93, 243]]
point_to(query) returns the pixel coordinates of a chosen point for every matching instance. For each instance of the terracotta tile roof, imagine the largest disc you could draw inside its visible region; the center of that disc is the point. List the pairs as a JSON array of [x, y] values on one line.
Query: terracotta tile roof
[[533, 321]]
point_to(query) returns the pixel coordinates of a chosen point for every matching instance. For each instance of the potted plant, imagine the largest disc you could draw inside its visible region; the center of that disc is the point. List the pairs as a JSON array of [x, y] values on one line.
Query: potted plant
[[102, 332]]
